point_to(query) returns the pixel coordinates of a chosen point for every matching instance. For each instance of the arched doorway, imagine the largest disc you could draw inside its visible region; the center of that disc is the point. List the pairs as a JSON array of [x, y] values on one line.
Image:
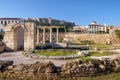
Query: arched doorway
[[19, 37]]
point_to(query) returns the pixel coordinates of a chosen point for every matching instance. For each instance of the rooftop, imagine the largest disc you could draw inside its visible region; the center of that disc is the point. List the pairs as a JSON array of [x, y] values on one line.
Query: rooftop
[[9, 18]]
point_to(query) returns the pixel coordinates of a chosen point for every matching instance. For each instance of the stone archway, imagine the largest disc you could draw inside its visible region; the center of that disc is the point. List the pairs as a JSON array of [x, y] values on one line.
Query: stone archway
[[18, 36]]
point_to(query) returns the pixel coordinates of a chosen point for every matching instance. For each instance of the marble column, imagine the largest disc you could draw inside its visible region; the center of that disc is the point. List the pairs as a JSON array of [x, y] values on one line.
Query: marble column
[[3, 22], [11, 22], [65, 30], [57, 35], [50, 35], [43, 35], [38, 36]]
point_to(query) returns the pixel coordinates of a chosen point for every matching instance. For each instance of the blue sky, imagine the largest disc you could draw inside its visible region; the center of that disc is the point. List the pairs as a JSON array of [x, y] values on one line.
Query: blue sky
[[82, 12]]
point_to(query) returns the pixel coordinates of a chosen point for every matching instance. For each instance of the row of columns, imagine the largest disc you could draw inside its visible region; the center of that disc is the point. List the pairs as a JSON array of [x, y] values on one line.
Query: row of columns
[[43, 39]]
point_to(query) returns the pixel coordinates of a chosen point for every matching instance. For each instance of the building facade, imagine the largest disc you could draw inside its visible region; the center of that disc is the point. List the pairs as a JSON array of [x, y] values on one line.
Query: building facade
[[79, 29], [95, 28], [5, 21]]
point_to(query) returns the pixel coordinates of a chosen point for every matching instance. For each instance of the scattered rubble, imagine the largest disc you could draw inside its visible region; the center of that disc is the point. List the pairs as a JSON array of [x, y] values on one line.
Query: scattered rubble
[[74, 68]]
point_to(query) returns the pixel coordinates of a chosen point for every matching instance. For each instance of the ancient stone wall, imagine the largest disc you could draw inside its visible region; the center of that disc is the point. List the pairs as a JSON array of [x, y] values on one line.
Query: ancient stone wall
[[11, 36], [114, 39], [19, 36], [97, 38], [29, 36], [2, 47], [75, 68]]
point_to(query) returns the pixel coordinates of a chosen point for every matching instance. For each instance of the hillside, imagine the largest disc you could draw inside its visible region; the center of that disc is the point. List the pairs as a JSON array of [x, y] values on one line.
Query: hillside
[[50, 22]]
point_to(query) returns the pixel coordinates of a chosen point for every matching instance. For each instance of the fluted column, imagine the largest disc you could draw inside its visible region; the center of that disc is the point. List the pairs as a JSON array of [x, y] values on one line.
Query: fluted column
[[57, 35], [65, 30], [43, 35], [3, 22], [50, 35], [38, 35]]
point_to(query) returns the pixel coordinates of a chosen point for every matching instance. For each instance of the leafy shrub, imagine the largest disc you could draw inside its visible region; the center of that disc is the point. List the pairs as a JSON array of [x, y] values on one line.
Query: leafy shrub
[[87, 42], [85, 59], [117, 33], [103, 32], [100, 54]]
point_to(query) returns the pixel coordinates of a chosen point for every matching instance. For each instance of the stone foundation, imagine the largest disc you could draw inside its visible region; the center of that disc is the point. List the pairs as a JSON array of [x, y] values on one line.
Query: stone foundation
[[97, 38], [49, 70]]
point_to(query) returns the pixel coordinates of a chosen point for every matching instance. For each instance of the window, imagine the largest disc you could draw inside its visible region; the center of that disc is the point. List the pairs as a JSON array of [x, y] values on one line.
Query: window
[[8, 21], [15, 21], [1, 22], [5, 23]]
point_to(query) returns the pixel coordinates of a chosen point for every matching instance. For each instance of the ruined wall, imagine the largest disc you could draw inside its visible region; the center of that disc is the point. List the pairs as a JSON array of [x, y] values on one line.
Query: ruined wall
[[49, 71], [114, 39], [29, 36], [9, 38], [2, 47], [19, 36], [14, 37], [97, 38]]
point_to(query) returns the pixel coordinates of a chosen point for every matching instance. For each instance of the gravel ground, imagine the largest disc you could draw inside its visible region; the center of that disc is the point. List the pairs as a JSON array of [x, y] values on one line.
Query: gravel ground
[[19, 58]]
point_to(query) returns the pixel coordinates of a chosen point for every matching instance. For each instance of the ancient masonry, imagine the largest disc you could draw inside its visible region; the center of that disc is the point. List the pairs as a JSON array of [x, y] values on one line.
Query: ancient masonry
[[97, 38], [25, 35], [50, 37], [18, 36]]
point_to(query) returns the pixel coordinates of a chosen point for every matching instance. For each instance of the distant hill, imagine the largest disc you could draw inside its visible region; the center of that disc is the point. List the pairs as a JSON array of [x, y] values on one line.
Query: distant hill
[[49, 22]]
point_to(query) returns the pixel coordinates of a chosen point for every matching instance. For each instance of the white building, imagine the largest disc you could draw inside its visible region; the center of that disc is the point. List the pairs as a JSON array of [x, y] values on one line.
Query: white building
[[1, 28], [95, 28], [5, 21]]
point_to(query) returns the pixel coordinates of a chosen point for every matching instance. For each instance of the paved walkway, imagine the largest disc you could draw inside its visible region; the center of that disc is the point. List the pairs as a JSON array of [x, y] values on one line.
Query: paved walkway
[[19, 58]]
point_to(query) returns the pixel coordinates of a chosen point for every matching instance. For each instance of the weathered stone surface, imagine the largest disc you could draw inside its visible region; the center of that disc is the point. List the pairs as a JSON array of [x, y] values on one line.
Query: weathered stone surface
[[5, 64], [10, 67], [73, 68], [87, 68], [2, 47], [19, 36], [97, 38]]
